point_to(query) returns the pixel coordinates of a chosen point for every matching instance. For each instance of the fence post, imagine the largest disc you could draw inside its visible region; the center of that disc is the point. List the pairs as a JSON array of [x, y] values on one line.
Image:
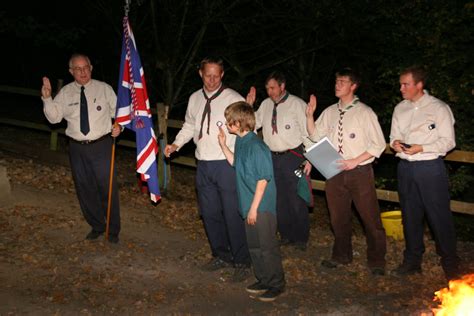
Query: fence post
[[53, 141], [164, 170]]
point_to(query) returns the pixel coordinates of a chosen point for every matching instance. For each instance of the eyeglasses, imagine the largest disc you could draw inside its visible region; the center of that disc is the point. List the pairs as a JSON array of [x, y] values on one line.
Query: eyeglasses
[[340, 82], [86, 68]]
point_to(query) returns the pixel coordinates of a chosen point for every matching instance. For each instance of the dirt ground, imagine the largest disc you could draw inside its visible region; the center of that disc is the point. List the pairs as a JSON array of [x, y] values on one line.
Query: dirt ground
[[47, 268]]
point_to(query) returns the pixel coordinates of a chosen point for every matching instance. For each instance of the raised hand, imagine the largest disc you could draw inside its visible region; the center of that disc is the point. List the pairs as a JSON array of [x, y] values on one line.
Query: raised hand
[[251, 96], [312, 104], [46, 88]]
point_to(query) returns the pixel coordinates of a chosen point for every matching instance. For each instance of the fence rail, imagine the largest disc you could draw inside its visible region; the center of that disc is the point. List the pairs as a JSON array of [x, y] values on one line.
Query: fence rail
[[165, 123]]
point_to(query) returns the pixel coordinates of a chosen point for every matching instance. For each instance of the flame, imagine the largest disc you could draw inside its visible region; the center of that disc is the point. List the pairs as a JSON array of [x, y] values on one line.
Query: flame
[[457, 299]]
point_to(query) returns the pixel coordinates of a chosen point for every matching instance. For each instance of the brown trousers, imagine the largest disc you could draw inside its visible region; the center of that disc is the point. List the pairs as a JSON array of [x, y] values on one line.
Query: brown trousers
[[356, 186]]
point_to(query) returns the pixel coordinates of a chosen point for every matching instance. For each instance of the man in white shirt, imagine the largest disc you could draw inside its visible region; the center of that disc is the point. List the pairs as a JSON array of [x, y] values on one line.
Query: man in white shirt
[[353, 127], [422, 133], [282, 119], [88, 106], [215, 177]]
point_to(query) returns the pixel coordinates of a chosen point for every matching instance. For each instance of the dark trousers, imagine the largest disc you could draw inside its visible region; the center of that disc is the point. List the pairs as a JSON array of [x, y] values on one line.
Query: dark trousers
[[90, 164], [356, 186], [265, 251], [219, 208], [292, 212], [423, 190]]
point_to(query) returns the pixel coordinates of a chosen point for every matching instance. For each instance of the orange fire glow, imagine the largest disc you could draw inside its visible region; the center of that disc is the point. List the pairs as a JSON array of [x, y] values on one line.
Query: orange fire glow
[[457, 299]]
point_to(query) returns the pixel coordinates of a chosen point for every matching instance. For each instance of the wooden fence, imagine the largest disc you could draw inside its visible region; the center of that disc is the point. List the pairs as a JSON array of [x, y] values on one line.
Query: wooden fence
[[164, 123]]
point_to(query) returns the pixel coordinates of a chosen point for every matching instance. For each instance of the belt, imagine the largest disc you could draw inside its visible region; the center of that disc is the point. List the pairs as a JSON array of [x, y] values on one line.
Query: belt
[[87, 142], [277, 153]]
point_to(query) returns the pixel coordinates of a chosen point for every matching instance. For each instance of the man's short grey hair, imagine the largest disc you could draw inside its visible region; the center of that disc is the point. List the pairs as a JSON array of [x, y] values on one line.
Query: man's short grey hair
[[77, 55]]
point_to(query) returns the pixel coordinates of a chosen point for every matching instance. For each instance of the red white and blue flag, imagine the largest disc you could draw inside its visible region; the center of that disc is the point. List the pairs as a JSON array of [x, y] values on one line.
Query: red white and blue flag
[[133, 111]]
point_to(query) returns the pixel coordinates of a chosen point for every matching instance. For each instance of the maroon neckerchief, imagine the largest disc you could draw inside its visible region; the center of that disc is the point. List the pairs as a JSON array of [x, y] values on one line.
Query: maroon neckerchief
[[207, 109], [274, 113]]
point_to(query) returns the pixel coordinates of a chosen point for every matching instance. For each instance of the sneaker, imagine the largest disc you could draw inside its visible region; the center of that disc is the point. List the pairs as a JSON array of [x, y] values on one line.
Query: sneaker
[[113, 238], [93, 234], [377, 271], [241, 272], [270, 295], [256, 288], [215, 264], [406, 269]]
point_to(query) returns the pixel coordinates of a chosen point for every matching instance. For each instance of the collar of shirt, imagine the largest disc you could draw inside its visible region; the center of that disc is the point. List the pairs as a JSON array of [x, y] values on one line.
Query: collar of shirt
[[211, 93], [349, 106], [421, 102], [78, 86], [246, 138], [283, 97]]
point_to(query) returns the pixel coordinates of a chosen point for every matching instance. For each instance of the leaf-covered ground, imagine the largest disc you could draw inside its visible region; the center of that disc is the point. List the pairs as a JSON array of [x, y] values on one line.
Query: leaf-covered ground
[[46, 266]]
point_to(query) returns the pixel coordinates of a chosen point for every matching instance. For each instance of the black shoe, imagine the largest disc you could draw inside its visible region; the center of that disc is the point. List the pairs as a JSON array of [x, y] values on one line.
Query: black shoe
[[300, 246], [113, 239], [377, 271], [93, 234], [241, 272], [406, 269], [215, 264], [332, 264], [270, 295], [256, 288]]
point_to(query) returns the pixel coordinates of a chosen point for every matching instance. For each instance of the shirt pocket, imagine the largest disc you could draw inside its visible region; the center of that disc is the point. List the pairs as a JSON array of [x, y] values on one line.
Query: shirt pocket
[[353, 134]]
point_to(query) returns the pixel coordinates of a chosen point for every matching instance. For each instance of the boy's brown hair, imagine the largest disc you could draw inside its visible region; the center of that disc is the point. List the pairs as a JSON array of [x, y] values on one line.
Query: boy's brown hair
[[242, 113]]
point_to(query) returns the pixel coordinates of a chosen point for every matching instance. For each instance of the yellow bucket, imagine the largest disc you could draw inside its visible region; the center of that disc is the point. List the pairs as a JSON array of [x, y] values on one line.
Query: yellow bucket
[[392, 222]]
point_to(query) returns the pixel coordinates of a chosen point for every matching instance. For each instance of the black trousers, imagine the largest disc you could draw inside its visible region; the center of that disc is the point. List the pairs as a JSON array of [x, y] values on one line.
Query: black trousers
[[265, 251], [219, 208], [292, 212], [90, 164], [423, 189]]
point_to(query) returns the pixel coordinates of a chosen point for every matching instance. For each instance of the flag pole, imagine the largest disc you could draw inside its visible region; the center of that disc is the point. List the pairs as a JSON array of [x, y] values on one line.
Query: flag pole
[[111, 178], [112, 158]]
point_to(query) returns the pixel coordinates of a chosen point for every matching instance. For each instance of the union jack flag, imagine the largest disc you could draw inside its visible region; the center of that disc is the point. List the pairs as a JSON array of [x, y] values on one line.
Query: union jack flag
[[133, 111]]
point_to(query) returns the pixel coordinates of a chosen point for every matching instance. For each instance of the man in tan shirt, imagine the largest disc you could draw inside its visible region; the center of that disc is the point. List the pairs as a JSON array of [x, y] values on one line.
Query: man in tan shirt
[[88, 106], [282, 119], [353, 128], [422, 132]]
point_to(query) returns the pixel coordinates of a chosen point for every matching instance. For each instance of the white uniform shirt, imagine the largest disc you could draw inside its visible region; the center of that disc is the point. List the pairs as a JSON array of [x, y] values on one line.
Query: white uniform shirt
[[291, 124], [207, 148], [101, 103], [428, 122], [361, 131]]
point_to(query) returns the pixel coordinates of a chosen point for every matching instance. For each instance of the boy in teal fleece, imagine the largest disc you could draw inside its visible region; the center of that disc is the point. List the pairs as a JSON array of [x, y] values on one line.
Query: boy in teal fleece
[[257, 199]]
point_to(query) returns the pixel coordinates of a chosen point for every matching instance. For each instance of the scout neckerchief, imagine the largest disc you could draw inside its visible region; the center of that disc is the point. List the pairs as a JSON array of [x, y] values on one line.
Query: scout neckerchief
[[274, 113], [340, 130], [207, 109]]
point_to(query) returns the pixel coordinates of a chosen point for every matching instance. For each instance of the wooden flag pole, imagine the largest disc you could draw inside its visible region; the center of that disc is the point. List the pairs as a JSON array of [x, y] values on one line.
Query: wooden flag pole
[[111, 178]]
